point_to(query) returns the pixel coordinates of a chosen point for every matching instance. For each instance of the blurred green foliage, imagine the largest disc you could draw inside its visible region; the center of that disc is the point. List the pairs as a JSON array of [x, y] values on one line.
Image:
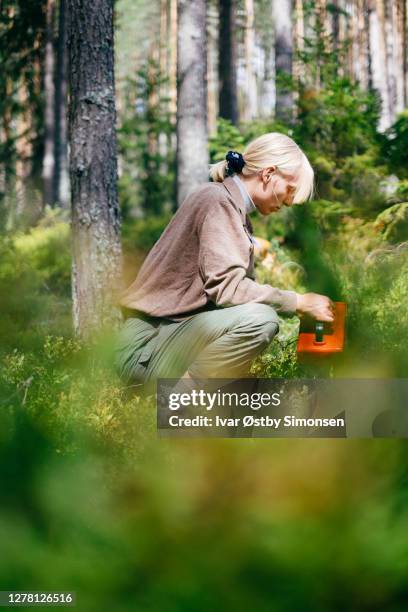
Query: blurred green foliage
[[95, 503]]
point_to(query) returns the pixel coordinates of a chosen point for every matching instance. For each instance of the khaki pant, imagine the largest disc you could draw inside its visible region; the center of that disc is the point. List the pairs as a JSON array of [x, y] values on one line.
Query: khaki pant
[[219, 343]]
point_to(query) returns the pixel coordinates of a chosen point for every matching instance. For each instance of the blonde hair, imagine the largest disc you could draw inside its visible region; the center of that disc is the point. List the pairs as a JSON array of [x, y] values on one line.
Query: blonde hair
[[274, 149]]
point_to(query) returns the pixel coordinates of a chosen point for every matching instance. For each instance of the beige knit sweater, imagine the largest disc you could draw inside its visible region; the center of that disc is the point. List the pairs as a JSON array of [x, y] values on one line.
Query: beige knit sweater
[[203, 259]]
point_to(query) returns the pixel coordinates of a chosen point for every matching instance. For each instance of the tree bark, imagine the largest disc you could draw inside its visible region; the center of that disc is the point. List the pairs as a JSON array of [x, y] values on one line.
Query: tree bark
[[227, 62], [96, 268], [173, 59], [405, 48], [299, 35], [192, 135], [251, 106], [335, 26], [367, 50], [164, 87], [49, 195], [379, 60], [282, 15], [212, 68], [267, 88], [398, 60], [390, 40], [61, 177], [24, 154]]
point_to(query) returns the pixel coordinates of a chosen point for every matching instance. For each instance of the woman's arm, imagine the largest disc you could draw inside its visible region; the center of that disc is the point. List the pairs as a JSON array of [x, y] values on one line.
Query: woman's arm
[[225, 252]]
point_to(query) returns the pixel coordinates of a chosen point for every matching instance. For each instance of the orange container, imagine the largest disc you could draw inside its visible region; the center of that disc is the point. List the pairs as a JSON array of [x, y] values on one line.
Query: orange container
[[320, 339]]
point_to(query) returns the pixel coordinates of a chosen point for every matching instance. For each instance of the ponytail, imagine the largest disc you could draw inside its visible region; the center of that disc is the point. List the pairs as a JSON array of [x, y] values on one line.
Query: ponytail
[[218, 171]]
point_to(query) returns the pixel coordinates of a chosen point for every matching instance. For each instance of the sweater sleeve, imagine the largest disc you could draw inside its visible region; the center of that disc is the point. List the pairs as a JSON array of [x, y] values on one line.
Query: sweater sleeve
[[224, 258]]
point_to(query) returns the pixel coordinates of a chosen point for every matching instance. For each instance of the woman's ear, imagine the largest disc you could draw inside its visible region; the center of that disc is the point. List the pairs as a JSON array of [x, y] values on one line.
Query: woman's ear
[[267, 173]]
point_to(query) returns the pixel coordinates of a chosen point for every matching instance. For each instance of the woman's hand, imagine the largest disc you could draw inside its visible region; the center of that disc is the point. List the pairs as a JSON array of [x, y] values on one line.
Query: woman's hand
[[317, 306]]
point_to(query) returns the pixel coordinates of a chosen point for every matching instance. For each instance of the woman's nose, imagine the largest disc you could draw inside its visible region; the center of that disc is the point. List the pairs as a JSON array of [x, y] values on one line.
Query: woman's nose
[[290, 196]]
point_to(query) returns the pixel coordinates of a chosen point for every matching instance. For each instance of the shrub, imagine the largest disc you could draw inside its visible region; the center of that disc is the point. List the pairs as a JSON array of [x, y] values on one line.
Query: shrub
[[374, 282], [395, 146], [141, 234], [393, 223], [228, 137], [360, 179], [46, 248], [338, 120]]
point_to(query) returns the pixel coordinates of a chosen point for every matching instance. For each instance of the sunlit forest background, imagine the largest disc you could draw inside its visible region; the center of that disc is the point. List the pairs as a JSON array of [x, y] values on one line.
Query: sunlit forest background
[[91, 500]]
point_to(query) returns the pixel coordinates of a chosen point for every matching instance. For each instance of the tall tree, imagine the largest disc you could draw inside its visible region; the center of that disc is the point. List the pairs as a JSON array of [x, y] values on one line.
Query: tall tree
[[172, 71], [299, 35], [227, 62], [61, 178], [22, 42], [49, 112], [282, 17], [378, 60], [265, 50], [398, 16], [404, 37], [251, 106], [96, 268], [192, 135], [212, 67]]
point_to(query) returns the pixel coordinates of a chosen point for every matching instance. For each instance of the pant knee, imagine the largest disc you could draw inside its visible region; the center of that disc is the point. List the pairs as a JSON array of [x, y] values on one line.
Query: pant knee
[[268, 332], [261, 317], [261, 323]]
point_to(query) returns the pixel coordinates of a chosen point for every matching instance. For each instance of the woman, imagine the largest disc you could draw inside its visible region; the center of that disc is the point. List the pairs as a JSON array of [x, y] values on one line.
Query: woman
[[195, 309]]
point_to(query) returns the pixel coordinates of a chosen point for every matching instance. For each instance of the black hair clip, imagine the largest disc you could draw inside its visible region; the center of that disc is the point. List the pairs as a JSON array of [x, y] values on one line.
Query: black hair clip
[[235, 162]]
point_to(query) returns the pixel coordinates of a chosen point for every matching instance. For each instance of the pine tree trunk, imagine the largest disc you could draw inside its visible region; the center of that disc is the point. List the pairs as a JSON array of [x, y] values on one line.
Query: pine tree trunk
[[173, 59], [25, 212], [335, 26], [299, 34], [49, 195], [163, 37], [397, 16], [96, 269], [355, 68], [282, 14], [250, 110], [379, 61], [390, 41], [227, 62], [405, 48], [343, 35], [268, 91], [361, 47], [192, 136], [61, 175], [267, 82], [164, 91], [368, 51], [212, 68], [7, 170]]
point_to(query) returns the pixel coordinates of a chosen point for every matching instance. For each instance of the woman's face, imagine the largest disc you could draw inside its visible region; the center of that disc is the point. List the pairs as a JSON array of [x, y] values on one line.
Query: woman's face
[[273, 190]]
